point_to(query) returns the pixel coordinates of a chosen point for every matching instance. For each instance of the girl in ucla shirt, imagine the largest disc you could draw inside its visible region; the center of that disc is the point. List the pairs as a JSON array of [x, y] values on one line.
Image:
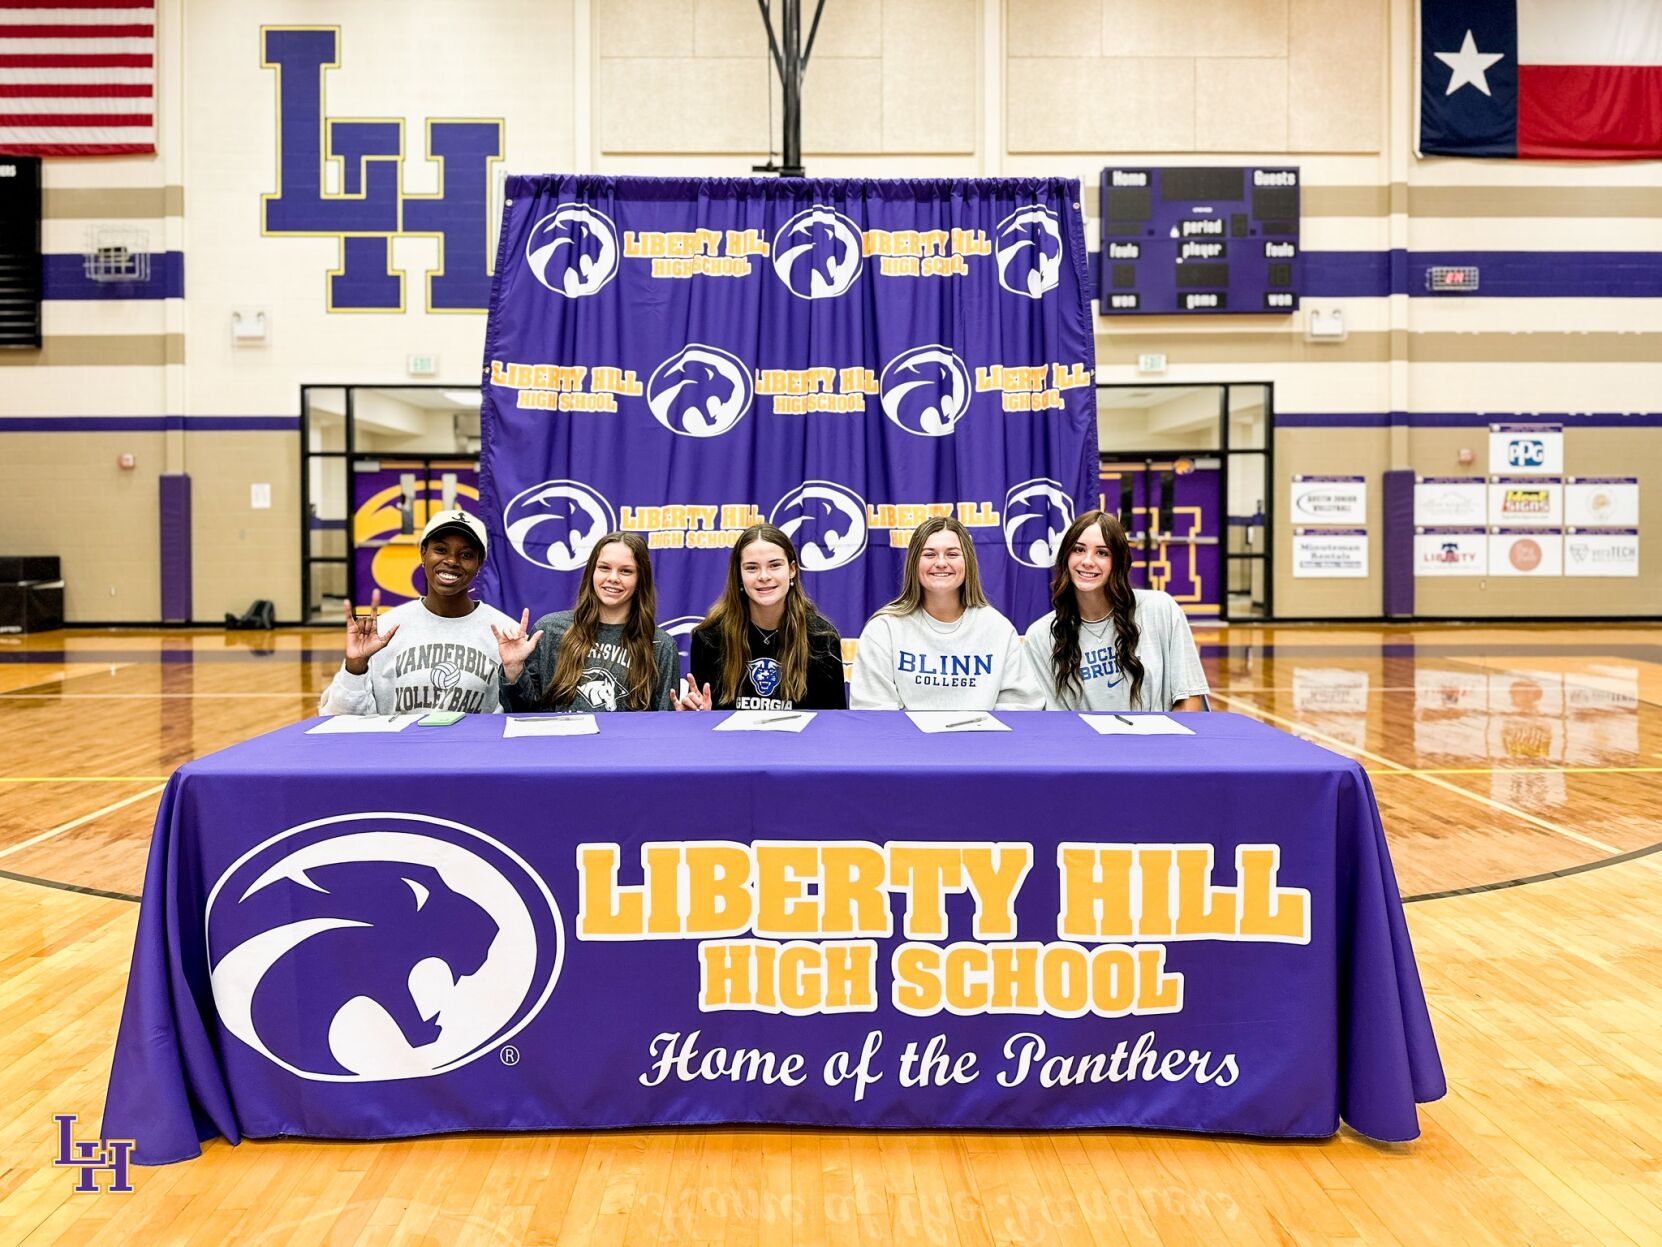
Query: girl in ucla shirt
[[606, 653], [763, 646], [939, 645], [1107, 646]]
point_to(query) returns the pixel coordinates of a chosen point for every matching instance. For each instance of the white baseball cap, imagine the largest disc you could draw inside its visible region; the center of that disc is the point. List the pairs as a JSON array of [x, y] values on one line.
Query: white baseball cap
[[455, 520]]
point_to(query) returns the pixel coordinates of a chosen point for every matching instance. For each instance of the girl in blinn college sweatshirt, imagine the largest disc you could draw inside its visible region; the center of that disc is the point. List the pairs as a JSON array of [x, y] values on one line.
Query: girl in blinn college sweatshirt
[[940, 645]]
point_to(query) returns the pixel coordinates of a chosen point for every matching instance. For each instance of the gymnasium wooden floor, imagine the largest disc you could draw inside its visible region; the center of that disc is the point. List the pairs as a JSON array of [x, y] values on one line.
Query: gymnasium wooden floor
[[1516, 770]]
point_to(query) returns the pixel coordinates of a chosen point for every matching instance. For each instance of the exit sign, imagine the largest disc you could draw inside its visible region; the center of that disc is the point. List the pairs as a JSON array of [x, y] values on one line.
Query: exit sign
[[1151, 363], [1451, 278]]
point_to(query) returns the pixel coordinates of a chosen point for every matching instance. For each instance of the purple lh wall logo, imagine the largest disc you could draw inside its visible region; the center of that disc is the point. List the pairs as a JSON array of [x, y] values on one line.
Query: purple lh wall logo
[[343, 178], [421, 945], [113, 1157]]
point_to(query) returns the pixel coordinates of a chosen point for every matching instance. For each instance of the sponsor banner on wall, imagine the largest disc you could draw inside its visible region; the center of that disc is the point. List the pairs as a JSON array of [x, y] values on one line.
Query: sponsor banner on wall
[[1601, 501], [1451, 552], [1330, 500], [1444, 500], [1330, 553], [1526, 552], [1601, 552], [1526, 449], [1515, 501]]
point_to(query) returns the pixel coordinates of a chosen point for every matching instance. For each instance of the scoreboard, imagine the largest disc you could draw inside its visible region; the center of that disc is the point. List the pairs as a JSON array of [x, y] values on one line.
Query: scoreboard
[[1206, 240], [20, 274]]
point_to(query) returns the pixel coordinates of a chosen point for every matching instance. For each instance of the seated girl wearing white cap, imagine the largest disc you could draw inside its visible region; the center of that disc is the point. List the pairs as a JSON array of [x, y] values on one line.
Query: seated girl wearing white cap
[[438, 652], [940, 645]]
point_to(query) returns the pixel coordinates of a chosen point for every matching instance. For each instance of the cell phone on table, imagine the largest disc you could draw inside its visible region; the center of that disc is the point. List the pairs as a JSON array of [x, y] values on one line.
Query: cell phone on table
[[440, 718]]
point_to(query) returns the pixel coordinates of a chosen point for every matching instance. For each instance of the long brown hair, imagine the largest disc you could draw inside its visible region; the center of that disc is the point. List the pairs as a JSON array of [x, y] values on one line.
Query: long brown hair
[[911, 584], [1122, 606], [730, 616], [638, 631]]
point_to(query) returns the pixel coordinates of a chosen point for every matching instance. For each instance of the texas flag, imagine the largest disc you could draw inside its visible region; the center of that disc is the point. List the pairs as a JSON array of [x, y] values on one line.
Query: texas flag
[[1541, 79]]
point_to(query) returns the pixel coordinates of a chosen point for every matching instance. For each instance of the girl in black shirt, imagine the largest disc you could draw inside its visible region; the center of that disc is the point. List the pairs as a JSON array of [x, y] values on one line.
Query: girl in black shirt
[[763, 646]]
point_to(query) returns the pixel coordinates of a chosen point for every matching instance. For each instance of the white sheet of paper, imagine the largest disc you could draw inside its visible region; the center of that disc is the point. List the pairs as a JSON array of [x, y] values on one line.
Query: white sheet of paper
[[345, 723], [1136, 725], [766, 721], [956, 721], [550, 725]]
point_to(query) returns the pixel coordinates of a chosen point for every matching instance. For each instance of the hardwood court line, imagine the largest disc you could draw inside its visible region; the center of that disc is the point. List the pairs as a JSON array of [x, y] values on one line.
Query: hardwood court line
[[141, 696], [1524, 770], [73, 823], [1342, 747], [113, 779]]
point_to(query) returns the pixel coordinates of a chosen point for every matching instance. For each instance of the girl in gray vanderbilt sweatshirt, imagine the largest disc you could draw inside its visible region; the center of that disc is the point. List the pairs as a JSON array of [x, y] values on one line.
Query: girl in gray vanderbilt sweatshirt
[[940, 645]]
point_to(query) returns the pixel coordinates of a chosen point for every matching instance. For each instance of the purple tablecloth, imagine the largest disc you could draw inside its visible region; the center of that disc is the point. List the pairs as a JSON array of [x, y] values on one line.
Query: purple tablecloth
[[386, 935]]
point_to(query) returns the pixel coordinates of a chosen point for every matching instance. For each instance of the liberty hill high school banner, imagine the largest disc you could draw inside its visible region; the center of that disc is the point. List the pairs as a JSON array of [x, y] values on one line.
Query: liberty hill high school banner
[[683, 358]]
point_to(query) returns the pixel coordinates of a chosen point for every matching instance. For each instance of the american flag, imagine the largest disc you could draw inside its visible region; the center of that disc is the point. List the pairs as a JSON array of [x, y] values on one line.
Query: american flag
[[77, 77]]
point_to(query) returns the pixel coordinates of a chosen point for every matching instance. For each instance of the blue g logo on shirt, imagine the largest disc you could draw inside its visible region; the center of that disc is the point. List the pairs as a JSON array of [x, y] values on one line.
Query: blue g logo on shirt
[[764, 676]]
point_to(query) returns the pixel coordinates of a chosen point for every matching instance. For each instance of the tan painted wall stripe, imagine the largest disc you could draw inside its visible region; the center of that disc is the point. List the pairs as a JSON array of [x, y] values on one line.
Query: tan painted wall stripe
[[112, 203], [1468, 202], [150, 350], [1535, 201]]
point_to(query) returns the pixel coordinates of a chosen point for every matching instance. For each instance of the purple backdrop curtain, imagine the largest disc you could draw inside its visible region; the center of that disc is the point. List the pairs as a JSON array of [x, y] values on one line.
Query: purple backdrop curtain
[[683, 357]]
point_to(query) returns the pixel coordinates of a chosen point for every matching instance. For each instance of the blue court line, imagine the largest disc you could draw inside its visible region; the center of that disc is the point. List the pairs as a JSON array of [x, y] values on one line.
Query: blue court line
[[149, 424]]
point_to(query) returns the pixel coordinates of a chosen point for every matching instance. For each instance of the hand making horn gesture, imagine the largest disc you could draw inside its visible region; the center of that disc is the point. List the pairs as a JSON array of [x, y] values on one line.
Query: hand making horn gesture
[[693, 699], [364, 639], [514, 647]]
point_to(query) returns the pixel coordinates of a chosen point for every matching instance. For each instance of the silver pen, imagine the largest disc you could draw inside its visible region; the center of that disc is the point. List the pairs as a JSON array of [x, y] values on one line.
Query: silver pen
[[779, 718], [966, 722]]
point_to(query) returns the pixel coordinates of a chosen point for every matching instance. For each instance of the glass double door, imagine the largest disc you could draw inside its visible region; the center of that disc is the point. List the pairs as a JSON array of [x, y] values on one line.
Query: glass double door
[[1186, 468]]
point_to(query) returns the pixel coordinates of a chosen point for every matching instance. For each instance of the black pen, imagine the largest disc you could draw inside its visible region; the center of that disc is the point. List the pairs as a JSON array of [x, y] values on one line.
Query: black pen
[[1124, 720]]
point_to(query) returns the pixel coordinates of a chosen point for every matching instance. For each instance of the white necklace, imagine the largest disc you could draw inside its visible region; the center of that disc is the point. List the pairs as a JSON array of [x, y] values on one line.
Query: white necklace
[[1097, 632]]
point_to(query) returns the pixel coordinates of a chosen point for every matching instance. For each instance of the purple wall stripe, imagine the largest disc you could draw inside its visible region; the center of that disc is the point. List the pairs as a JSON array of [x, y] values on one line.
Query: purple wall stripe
[[1464, 419], [1397, 553], [1501, 274], [149, 424], [174, 496], [64, 277]]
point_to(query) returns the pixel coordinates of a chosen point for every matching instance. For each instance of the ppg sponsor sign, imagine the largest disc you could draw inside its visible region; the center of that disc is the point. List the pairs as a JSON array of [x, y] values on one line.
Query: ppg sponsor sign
[[1530, 448]]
